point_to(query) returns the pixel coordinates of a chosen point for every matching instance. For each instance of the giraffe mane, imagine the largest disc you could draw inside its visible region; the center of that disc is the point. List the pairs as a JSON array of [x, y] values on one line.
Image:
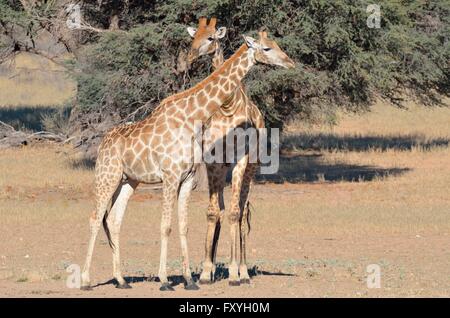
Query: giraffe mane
[[209, 79]]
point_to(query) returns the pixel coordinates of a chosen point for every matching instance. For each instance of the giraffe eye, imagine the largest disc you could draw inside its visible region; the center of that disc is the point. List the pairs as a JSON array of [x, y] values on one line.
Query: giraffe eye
[[267, 49], [211, 39]]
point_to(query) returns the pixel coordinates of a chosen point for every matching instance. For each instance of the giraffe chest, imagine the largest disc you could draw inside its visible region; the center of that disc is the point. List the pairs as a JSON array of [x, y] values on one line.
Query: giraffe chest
[[228, 137], [221, 125]]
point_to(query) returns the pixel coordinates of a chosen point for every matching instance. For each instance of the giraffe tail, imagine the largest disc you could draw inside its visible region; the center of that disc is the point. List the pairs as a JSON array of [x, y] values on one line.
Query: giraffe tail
[[107, 231], [249, 209]]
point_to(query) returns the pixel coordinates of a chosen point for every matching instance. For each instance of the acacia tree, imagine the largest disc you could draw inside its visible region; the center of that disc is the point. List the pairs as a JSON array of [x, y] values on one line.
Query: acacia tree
[[128, 54], [341, 61]]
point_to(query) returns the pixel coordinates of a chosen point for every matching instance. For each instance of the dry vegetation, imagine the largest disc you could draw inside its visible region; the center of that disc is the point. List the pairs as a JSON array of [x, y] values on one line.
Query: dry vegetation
[[30, 79], [40, 169], [354, 198]]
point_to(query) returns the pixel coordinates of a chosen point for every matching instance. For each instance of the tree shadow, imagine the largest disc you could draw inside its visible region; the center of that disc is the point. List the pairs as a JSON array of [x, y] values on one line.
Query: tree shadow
[[175, 280], [310, 168], [296, 166], [324, 141], [299, 166], [83, 164], [28, 117]]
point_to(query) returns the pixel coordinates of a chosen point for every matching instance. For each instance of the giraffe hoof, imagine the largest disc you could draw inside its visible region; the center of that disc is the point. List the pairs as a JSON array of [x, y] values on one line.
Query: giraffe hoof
[[123, 286], [86, 288], [166, 287], [245, 281], [205, 281], [190, 285], [234, 283]]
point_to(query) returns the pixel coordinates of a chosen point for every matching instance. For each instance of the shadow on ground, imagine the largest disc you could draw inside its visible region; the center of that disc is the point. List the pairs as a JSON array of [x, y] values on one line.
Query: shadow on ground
[[28, 117], [296, 165], [83, 163], [330, 141], [310, 168], [221, 274]]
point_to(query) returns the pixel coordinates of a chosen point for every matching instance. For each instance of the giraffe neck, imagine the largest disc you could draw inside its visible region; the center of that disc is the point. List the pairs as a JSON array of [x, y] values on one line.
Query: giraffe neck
[[217, 61], [226, 78], [205, 98]]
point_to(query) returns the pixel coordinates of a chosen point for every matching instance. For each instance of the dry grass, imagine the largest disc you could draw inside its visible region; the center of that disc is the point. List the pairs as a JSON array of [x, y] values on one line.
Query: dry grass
[[386, 120], [34, 80], [29, 171], [399, 164], [346, 208], [391, 190]]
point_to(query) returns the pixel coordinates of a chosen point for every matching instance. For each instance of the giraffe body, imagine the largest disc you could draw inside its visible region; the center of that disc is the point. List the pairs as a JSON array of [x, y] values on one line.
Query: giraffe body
[[154, 150], [244, 115], [151, 151], [240, 112]]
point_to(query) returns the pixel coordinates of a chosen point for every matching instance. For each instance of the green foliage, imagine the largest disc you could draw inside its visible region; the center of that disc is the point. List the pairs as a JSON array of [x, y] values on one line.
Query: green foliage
[[11, 12], [123, 71], [57, 121], [340, 61]]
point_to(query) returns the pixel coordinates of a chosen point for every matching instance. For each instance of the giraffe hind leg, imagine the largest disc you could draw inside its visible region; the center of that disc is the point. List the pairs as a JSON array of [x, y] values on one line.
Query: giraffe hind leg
[[170, 189], [215, 244], [112, 222], [234, 218], [183, 198], [106, 185], [244, 222]]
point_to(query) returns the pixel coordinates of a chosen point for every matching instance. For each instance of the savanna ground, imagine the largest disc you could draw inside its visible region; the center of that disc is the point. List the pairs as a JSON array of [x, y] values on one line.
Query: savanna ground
[[375, 189]]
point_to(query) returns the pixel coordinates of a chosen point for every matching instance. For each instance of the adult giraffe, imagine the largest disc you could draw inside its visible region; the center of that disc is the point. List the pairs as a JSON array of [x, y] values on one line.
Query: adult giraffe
[[239, 112], [155, 150]]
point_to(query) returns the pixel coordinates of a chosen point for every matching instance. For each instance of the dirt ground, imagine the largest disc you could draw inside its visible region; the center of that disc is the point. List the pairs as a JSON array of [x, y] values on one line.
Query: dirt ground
[[369, 191]]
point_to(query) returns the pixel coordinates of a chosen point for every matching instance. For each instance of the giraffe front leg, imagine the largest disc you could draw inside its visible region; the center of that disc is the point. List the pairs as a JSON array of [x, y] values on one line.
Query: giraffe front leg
[[207, 275], [244, 222], [183, 198], [170, 187], [234, 218]]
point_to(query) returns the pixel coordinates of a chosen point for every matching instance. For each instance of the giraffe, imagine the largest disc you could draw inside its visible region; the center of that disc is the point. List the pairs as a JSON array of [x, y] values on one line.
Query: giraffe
[[241, 113], [155, 150]]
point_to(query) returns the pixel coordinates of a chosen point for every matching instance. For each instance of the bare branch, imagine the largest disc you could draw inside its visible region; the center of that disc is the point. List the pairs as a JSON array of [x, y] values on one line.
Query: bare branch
[[9, 137], [147, 107], [7, 126]]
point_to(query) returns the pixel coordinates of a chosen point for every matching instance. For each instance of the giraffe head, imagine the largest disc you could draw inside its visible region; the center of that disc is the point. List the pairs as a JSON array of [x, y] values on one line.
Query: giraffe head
[[267, 51], [206, 38]]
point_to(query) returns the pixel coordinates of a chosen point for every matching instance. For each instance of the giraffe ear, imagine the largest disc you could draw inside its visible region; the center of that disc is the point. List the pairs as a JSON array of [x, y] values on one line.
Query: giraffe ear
[[191, 31], [251, 42], [220, 33]]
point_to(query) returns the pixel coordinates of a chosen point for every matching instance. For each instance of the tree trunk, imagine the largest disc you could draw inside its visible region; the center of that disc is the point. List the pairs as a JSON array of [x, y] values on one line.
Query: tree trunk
[[114, 22]]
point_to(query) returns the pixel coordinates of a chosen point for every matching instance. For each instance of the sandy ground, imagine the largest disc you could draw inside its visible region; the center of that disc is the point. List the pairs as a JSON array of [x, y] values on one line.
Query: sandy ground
[[314, 235]]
